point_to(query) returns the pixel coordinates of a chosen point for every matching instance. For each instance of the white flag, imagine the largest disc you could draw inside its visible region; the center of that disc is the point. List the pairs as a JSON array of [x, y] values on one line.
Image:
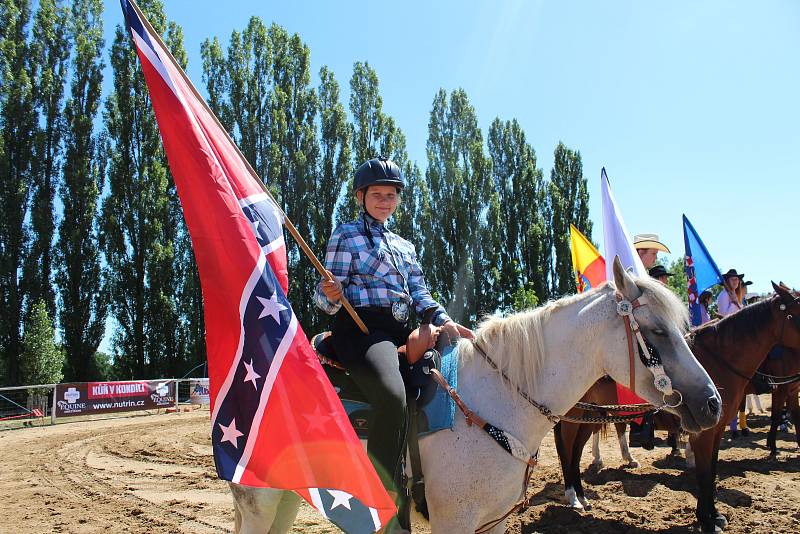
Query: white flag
[[615, 235]]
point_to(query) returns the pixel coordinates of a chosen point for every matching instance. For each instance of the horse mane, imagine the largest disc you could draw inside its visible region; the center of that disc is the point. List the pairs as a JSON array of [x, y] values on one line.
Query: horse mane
[[745, 323], [516, 341]]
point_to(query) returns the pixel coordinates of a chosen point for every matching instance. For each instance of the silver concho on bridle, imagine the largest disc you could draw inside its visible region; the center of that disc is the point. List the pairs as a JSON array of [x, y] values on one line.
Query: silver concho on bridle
[[660, 379]]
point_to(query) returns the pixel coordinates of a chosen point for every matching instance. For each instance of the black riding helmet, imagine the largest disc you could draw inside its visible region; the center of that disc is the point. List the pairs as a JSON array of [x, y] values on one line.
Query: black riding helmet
[[378, 171]]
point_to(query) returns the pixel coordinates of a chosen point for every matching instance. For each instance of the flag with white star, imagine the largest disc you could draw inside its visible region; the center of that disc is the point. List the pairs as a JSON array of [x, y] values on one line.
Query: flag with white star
[[276, 420]]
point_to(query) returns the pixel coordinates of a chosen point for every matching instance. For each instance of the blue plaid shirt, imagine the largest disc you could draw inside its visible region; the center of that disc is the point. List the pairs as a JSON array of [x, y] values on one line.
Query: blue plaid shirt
[[369, 275]]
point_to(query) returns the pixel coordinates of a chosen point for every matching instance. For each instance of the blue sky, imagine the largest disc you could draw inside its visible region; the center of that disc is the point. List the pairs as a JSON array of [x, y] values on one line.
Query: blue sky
[[692, 107]]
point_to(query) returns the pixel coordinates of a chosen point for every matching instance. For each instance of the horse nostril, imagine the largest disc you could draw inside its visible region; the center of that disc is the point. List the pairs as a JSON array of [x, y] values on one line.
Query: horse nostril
[[713, 405]]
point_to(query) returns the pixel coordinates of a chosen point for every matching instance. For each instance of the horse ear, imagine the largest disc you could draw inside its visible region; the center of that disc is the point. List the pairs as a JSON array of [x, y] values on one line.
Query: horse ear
[[781, 290], [624, 281]]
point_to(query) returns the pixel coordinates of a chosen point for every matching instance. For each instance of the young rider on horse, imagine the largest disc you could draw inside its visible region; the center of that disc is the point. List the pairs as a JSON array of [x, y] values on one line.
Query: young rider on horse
[[378, 273]]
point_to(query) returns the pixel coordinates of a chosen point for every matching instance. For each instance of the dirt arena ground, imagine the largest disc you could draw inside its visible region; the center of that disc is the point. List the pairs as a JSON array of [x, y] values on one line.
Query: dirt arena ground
[[155, 474]]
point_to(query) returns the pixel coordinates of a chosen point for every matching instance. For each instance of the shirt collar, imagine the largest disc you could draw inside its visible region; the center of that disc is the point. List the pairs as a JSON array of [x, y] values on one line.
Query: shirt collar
[[373, 221]]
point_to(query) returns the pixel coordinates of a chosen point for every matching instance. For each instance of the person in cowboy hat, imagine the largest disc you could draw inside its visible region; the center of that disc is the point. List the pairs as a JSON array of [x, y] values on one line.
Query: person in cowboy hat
[[729, 300], [660, 273], [648, 246], [378, 272]]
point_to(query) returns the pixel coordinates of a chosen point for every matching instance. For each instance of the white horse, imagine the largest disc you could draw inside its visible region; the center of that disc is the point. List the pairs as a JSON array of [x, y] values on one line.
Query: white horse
[[553, 354]]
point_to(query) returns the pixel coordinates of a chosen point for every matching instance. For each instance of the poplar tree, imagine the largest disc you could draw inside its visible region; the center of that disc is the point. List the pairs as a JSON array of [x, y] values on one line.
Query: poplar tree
[[49, 58], [293, 155], [458, 176], [519, 185], [139, 221], [374, 133], [248, 80], [164, 326], [83, 302], [18, 123], [569, 204]]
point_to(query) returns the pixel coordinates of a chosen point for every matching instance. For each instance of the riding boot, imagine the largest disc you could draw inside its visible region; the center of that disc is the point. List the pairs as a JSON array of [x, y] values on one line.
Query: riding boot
[[393, 526], [734, 427], [743, 424]]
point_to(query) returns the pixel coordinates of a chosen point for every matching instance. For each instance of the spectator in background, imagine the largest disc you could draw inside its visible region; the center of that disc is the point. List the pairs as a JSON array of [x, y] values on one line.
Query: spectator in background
[[648, 247], [705, 306], [660, 273], [730, 298]]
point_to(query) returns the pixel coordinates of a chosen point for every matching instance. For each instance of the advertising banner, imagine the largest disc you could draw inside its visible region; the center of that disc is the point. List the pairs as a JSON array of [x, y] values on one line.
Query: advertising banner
[[198, 391], [87, 398]]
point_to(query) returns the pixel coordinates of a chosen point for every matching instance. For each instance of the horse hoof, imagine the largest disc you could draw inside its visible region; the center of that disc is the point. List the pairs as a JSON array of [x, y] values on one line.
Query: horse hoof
[[585, 503], [572, 501], [633, 464], [720, 521], [597, 466]]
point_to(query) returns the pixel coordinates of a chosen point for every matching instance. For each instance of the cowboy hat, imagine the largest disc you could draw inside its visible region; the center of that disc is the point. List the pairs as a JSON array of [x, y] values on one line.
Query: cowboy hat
[[658, 270], [649, 241], [731, 273]]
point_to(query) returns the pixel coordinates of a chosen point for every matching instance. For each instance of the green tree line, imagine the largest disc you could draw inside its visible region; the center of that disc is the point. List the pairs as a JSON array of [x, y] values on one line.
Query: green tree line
[[92, 236]]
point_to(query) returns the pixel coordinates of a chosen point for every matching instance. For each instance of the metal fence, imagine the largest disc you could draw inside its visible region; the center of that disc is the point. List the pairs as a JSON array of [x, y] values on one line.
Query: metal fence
[[34, 405]]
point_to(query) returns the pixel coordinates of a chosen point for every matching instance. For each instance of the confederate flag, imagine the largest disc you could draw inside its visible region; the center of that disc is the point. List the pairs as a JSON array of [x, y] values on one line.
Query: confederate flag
[[276, 420]]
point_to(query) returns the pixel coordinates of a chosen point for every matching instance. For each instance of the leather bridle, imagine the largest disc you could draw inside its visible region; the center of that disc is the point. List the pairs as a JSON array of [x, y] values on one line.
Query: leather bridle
[[647, 352]]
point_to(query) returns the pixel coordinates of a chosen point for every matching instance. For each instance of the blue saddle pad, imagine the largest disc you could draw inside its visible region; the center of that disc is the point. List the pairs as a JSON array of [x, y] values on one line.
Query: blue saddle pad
[[438, 414]]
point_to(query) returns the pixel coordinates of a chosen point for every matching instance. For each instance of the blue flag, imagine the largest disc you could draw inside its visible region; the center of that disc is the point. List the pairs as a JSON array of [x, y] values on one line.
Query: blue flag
[[701, 270]]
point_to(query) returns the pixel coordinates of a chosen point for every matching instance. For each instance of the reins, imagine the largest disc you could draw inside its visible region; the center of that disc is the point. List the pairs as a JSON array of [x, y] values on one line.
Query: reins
[[775, 381], [772, 380], [639, 409]]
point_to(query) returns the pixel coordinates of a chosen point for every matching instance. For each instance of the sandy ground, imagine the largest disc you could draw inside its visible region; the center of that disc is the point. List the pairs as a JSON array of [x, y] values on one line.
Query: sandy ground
[[155, 474]]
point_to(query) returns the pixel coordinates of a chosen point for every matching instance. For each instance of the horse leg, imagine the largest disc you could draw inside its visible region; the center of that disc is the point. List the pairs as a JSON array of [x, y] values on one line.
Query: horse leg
[[263, 510], [585, 431], [622, 437], [778, 400], [719, 520], [703, 447], [286, 514], [597, 459], [690, 461], [565, 434], [793, 404]]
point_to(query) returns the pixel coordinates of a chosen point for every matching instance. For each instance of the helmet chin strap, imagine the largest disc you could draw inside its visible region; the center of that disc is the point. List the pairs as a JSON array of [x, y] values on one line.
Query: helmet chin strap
[[367, 231]]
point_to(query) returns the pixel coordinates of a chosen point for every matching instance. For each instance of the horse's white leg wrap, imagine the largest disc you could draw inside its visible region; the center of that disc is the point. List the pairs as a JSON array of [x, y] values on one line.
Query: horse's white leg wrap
[[622, 437], [689, 455], [597, 461], [572, 499]]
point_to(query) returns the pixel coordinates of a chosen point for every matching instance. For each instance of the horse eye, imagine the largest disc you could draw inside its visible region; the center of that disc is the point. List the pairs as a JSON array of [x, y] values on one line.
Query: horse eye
[[659, 332]]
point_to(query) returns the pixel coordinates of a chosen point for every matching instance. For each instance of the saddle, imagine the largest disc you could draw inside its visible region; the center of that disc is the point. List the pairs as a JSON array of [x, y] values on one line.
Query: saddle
[[415, 369]]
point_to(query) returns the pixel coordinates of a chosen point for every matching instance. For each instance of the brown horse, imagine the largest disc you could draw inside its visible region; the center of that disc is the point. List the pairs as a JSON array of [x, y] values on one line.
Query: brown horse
[[571, 439], [731, 350], [786, 394]]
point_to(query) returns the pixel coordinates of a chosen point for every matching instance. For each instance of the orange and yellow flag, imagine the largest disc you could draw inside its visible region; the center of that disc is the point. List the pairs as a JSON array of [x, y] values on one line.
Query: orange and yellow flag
[[590, 271], [589, 265]]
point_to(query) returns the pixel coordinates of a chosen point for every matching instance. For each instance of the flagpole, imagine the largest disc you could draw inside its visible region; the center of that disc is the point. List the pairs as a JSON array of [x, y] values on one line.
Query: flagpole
[[289, 225]]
